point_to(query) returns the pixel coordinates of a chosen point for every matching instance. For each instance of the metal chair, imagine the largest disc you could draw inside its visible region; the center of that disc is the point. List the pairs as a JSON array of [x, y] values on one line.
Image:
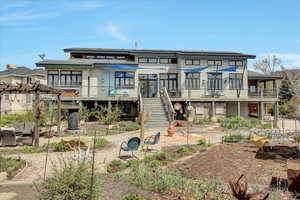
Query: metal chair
[[152, 140], [133, 144]]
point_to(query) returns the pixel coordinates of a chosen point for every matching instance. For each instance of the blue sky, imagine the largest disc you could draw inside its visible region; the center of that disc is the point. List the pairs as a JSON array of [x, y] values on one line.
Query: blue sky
[[258, 27]]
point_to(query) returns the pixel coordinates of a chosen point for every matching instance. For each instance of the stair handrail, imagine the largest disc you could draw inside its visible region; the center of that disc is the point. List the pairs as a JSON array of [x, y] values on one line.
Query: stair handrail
[[140, 99], [164, 95]]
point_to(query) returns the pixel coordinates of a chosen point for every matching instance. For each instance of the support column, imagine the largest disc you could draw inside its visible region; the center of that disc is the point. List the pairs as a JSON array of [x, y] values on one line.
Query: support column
[[238, 108], [36, 134], [261, 110], [276, 111], [58, 115], [213, 111]]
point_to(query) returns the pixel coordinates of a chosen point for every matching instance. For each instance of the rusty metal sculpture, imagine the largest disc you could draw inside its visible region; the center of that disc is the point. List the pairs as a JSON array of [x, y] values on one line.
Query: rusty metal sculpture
[[240, 190]]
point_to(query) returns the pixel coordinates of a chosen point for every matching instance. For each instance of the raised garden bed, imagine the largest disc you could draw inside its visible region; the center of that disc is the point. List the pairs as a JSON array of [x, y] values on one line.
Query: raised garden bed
[[12, 166]]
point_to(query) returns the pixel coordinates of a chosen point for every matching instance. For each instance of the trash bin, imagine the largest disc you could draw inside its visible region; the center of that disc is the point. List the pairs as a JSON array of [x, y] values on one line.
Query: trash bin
[[73, 119]]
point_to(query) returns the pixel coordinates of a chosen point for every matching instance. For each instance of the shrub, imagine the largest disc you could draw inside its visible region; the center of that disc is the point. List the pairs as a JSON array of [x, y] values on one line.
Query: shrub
[[133, 197], [239, 122], [201, 121], [126, 126], [11, 164], [235, 138], [266, 125], [101, 143], [70, 181], [182, 149], [157, 159], [32, 149], [297, 138], [60, 147], [202, 141], [116, 166]]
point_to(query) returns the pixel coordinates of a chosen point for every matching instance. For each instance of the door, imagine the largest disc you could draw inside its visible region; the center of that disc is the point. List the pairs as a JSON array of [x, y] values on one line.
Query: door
[[148, 83]]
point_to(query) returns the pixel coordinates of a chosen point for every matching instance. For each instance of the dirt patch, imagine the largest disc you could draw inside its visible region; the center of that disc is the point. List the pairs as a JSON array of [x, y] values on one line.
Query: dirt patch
[[18, 192], [231, 160]]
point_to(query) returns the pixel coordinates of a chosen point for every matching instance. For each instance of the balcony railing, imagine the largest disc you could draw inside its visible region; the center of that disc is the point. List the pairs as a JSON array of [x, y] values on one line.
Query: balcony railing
[[111, 92]]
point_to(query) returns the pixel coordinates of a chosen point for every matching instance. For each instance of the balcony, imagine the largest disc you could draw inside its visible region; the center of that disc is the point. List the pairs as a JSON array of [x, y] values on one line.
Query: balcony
[[262, 93]]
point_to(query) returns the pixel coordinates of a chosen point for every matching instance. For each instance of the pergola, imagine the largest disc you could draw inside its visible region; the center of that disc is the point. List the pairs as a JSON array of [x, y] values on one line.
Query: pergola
[[36, 89]]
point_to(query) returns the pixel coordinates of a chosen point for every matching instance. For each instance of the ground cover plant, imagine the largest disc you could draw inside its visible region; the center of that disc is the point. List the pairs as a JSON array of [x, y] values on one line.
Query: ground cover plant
[[235, 138], [70, 180], [201, 121], [238, 122], [101, 143], [126, 126], [133, 197], [11, 164]]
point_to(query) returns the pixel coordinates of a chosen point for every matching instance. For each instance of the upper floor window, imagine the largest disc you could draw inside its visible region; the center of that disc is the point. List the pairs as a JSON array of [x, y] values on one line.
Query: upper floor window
[[53, 78], [70, 78], [235, 81], [214, 81], [124, 80], [167, 60], [147, 60], [192, 62], [214, 62], [237, 63], [192, 80]]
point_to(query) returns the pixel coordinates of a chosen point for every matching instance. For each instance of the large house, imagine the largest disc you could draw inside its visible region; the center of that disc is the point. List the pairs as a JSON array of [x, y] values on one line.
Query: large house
[[13, 103], [215, 83]]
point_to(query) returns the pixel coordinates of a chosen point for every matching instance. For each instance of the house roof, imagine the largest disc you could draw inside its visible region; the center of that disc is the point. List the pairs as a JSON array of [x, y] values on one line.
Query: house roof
[[158, 51], [86, 62], [252, 75], [22, 71]]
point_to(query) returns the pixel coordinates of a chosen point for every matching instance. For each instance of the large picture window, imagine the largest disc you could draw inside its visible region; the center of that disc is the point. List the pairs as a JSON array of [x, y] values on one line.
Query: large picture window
[[147, 60], [53, 78], [214, 81], [124, 80], [192, 80], [237, 63], [168, 80], [235, 81], [70, 78], [214, 62], [192, 62]]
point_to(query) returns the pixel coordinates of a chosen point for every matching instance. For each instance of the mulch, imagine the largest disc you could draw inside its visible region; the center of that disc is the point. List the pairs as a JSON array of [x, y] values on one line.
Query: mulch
[[228, 161]]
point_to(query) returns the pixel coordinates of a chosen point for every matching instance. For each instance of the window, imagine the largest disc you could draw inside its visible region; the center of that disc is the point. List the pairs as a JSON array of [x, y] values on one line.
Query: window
[[147, 60], [168, 80], [192, 80], [237, 63], [214, 81], [192, 62], [53, 78], [70, 78], [167, 60], [214, 62], [235, 81], [124, 80]]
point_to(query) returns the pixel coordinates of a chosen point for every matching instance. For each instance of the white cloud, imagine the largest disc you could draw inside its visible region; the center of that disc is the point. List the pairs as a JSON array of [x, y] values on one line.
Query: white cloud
[[113, 30], [290, 60], [86, 5], [24, 16]]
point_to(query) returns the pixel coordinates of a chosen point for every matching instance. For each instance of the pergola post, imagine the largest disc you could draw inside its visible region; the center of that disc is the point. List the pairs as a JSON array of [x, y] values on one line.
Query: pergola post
[[36, 135], [238, 108], [58, 114]]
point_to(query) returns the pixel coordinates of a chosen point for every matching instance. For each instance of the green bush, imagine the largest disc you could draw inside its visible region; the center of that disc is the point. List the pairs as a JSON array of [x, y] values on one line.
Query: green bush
[[11, 164], [60, 147], [133, 197], [32, 149], [182, 149], [266, 125], [101, 143], [239, 122], [235, 138], [126, 126], [202, 141], [297, 138], [201, 121], [116, 166], [71, 181]]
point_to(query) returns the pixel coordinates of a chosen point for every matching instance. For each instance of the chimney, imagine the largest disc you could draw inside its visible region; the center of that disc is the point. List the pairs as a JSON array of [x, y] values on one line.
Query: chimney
[[10, 66]]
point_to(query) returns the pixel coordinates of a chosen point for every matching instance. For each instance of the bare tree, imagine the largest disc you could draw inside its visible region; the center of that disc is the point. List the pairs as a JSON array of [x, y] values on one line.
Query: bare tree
[[268, 65]]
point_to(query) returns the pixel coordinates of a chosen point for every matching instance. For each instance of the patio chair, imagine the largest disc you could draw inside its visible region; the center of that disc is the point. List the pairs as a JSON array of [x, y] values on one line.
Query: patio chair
[[152, 140], [133, 144]]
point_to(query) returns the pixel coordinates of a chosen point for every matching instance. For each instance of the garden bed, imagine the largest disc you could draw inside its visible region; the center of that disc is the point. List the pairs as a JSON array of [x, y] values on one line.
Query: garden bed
[[12, 166], [231, 160]]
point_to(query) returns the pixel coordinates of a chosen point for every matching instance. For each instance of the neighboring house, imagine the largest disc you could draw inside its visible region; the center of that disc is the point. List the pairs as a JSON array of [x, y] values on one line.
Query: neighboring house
[[216, 83], [12, 103]]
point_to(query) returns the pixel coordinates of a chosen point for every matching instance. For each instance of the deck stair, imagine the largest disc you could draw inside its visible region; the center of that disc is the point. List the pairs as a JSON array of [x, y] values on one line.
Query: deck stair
[[158, 116]]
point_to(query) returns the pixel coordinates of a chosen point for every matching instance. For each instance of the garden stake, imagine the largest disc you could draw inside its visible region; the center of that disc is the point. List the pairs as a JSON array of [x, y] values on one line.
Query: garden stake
[[93, 166]]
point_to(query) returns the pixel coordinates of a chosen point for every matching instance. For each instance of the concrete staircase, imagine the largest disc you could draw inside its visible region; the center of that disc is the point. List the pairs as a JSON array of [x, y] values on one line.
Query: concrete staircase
[[157, 112]]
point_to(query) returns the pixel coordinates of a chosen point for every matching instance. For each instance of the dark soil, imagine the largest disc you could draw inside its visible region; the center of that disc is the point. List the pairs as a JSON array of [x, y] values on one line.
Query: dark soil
[[231, 160]]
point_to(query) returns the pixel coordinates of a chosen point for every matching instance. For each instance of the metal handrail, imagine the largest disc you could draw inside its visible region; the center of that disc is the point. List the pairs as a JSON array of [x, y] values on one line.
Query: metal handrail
[[140, 99], [168, 103]]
